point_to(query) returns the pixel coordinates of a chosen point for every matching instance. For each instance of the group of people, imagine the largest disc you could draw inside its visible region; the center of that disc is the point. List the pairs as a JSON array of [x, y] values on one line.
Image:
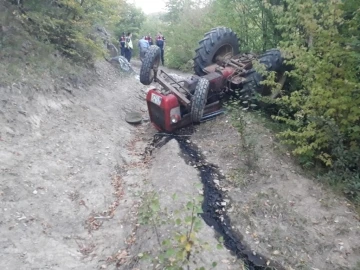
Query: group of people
[[144, 43]]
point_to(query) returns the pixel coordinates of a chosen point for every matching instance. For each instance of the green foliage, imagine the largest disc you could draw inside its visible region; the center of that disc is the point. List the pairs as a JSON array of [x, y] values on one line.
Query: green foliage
[[149, 209], [181, 45], [320, 106], [326, 105], [60, 37], [174, 9], [131, 20], [152, 25], [179, 249], [23, 56], [67, 25], [320, 41], [236, 109], [187, 23], [252, 20]]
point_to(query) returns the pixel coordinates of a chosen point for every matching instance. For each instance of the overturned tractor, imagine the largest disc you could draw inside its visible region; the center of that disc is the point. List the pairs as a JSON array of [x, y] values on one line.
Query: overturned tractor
[[219, 68]]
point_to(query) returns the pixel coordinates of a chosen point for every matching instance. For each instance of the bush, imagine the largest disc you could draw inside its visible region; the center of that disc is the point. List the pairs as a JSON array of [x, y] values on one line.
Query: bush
[[323, 113], [67, 25]]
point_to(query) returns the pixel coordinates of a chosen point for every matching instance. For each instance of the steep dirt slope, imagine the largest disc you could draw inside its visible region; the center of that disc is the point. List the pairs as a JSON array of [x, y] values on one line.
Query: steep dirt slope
[[64, 189]]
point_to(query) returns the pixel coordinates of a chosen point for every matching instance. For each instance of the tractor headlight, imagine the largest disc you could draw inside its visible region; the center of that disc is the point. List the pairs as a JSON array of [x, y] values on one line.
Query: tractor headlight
[[174, 119], [175, 115]]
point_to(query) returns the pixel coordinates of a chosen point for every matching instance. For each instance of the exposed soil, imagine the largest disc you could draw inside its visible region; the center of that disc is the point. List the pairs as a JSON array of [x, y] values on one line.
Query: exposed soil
[[281, 213], [67, 180], [75, 177], [214, 208]]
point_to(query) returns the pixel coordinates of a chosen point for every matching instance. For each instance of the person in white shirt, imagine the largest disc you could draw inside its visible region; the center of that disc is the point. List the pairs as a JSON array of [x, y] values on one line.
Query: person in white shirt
[[128, 47]]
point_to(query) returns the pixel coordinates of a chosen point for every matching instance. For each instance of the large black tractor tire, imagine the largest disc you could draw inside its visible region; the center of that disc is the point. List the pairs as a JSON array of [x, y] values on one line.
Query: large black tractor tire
[[252, 86], [219, 42], [150, 65], [199, 99]]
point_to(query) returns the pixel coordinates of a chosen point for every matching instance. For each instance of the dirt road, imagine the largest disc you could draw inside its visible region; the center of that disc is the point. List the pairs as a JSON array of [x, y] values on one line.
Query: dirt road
[[75, 178], [65, 190], [72, 174]]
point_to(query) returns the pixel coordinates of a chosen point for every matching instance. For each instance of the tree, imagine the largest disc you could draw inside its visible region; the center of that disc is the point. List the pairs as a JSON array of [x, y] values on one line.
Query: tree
[[131, 20], [253, 21]]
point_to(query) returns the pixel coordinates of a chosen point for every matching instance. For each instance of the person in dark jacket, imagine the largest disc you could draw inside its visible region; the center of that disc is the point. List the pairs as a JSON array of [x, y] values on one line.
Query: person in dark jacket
[[122, 44], [160, 42]]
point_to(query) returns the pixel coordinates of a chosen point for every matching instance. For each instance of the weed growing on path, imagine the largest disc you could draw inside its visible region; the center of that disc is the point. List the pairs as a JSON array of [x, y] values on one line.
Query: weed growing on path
[[178, 249]]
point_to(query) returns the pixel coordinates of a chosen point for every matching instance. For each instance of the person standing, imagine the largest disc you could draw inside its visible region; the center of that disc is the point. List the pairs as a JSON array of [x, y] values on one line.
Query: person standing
[[150, 40], [143, 48], [147, 39], [128, 47], [160, 42], [122, 44]]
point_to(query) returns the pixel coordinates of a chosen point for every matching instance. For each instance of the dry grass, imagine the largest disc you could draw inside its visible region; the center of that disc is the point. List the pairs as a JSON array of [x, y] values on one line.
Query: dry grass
[[240, 178]]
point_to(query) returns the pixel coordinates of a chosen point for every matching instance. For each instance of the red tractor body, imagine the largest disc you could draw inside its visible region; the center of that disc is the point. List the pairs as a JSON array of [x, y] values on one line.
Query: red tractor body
[[164, 110], [170, 105], [219, 68]]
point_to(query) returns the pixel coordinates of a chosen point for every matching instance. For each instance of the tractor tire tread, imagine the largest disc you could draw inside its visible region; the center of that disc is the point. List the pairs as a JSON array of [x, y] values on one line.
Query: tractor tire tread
[[151, 57], [273, 61], [209, 45], [199, 99]]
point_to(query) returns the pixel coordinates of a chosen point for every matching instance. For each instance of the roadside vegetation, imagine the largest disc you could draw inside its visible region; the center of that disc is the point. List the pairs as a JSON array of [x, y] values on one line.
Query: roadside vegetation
[[59, 37], [320, 40]]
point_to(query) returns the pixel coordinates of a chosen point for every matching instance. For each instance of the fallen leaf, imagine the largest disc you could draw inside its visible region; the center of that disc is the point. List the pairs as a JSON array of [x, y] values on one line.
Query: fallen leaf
[[121, 255]]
